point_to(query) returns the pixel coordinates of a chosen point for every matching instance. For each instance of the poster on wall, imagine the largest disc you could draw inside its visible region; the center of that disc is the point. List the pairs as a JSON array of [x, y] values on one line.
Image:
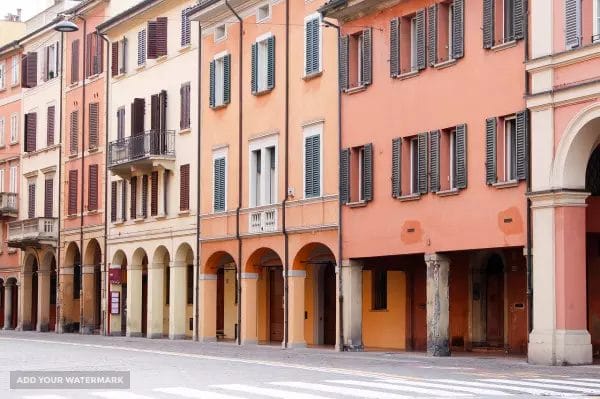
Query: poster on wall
[[115, 302]]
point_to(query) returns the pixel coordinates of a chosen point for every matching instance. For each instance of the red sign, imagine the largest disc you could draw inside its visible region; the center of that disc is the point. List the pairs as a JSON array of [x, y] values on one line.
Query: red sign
[[114, 276]]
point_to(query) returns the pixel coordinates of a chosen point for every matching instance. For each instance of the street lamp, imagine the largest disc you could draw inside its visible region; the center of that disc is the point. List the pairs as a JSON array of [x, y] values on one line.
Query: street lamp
[[66, 26]]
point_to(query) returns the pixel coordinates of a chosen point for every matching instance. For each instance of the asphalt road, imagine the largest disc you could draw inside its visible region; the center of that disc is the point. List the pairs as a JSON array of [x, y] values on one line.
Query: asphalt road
[[163, 369]]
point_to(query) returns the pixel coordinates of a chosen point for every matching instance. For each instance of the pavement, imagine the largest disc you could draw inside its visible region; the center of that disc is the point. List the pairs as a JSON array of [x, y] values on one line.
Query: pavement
[[165, 369]]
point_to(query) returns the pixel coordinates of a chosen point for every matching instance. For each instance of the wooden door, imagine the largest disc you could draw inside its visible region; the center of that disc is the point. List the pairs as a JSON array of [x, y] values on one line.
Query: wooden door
[[123, 309], [276, 304], [144, 303], [220, 301], [495, 308], [329, 299]]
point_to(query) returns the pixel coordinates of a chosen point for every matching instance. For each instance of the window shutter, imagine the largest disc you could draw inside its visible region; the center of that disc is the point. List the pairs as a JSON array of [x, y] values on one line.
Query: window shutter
[[30, 73], [124, 201], [522, 145], [121, 123], [113, 201], [434, 160], [89, 51], [57, 59], [166, 191], [227, 79], [114, 61], [48, 197], [141, 55], [45, 59], [138, 110], [161, 36], [185, 27], [123, 63], [421, 53], [490, 151], [345, 176], [432, 34], [94, 124], [219, 188], [154, 194], [312, 166], [145, 196], [72, 200], [344, 53], [99, 54], [152, 44], [75, 61], [31, 207], [395, 47], [182, 105], [271, 63], [184, 187], [133, 203], [50, 125], [518, 20], [93, 187], [30, 132], [74, 126], [458, 29], [367, 57], [572, 23], [488, 23], [154, 112], [367, 171], [396, 171], [24, 71], [422, 163], [212, 88], [313, 32], [460, 158], [254, 69]]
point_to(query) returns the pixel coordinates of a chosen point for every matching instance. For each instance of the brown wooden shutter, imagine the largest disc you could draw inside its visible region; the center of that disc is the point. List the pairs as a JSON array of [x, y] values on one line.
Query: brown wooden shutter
[[48, 198], [50, 125], [100, 53], [31, 205], [152, 31], [75, 61], [94, 124], [161, 36], [24, 62], [93, 188], [89, 40], [74, 127], [133, 207], [72, 196], [114, 62], [29, 71], [154, 194], [30, 131], [184, 187], [138, 109], [154, 112], [145, 196], [113, 201], [123, 200]]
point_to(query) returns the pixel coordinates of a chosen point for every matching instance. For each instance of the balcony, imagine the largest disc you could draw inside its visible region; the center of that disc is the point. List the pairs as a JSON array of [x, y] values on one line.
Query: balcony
[[346, 10], [8, 205], [141, 152], [263, 221], [33, 232]]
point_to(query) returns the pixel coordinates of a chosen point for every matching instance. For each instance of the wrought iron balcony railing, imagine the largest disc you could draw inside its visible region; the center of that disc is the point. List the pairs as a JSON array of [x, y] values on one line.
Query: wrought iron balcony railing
[[33, 232], [8, 204], [149, 145]]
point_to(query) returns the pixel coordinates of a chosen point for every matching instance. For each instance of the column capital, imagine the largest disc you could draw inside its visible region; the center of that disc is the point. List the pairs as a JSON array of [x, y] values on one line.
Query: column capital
[[296, 273], [558, 198], [88, 269], [436, 258], [134, 267], [178, 263], [205, 276], [352, 263], [154, 266], [114, 266], [249, 276], [43, 272]]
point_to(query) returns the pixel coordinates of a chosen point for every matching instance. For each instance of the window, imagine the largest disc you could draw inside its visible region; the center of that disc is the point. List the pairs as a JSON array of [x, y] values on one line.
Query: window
[[30, 70], [263, 12], [15, 70], [113, 201], [356, 174], [447, 159], [263, 172], [93, 187], [413, 44], [75, 61], [72, 193], [94, 53], [596, 22], [144, 213], [2, 189], [509, 28], [510, 149], [119, 57], [74, 132], [121, 123], [184, 187], [356, 59], [94, 125], [379, 289], [49, 196], [312, 160], [30, 132], [220, 180], [185, 106], [50, 62], [186, 27], [31, 199], [154, 193], [312, 45], [2, 131], [409, 165], [14, 126], [50, 123], [502, 21], [414, 166], [12, 185], [220, 81], [220, 33], [445, 31], [133, 198], [263, 64], [157, 38], [2, 77], [506, 148], [141, 51]]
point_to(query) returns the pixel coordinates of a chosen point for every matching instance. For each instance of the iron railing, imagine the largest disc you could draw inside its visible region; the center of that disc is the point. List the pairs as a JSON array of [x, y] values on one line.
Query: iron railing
[[33, 229], [8, 203], [154, 143]]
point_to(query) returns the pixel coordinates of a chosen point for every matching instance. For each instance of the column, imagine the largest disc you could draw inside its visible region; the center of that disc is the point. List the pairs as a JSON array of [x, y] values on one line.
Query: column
[[296, 308], [8, 304], [352, 305], [134, 301], [178, 300], [65, 322], [87, 299], [438, 305], [25, 302], [43, 300], [559, 335], [208, 307], [156, 300], [248, 328]]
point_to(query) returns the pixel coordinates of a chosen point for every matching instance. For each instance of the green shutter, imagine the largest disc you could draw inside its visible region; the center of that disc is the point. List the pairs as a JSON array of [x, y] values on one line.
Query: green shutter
[[432, 17], [395, 47], [522, 145], [367, 173], [344, 51], [254, 70], [219, 184], [345, 176], [271, 63], [458, 29], [488, 23], [367, 57], [421, 45], [422, 163], [434, 160], [212, 99], [490, 151], [460, 157], [518, 20], [312, 166], [396, 171], [312, 46], [227, 79]]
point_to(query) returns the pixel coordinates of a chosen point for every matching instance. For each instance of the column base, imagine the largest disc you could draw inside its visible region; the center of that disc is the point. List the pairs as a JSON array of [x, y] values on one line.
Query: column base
[[177, 336], [438, 348], [87, 330], [134, 334], [207, 339], [115, 334], [354, 348], [560, 347], [296, 345], [155, 336], [249, 342], [43, 328], [8, 328]]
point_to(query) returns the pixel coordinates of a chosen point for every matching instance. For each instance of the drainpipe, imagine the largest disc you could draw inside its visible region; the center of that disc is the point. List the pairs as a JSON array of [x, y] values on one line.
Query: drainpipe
[[239, 206], [58, 323], [340, 347], [82, 177], [199, 184], [286, 240], [106, 327]]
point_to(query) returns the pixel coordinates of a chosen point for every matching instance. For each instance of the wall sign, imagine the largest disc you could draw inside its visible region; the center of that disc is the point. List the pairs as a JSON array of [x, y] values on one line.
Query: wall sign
[[114, 276], [115, 302]]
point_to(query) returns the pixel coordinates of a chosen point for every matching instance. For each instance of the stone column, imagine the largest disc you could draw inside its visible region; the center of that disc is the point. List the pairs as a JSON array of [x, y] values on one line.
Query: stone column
[[66, 299], [248, 329], [438, 305], [8, 289], [156, 300], [353, 300], [134, 300], [25, 302], [87, 300], [559, 335], [296, 308], [208, 307], [43, 300], [178, 300]]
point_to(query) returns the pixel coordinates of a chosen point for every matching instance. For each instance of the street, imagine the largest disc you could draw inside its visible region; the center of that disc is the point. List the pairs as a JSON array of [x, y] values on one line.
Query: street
[[185, 369]]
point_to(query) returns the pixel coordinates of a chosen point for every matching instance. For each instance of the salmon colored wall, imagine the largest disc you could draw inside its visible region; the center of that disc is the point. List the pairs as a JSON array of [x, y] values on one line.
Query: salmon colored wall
[[434, 99]]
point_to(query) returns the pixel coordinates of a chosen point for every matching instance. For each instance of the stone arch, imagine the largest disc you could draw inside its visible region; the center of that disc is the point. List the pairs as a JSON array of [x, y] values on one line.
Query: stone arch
[[119, 257], [216, 261], [161, 255], [30, 262], [313, 252], [262, 257], [72, 254], [185, 253], [139, 257], [93, 253]]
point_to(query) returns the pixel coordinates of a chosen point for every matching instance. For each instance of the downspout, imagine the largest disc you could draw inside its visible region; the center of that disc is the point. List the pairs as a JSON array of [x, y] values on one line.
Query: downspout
[[340, 347], [286, 240], [58, 323], [106, 328], [199, 147], [82, 177], [239, 206]]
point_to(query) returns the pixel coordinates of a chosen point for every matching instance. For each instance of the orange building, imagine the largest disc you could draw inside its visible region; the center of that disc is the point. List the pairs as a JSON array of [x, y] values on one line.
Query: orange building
[[268, 180], [433, 173]]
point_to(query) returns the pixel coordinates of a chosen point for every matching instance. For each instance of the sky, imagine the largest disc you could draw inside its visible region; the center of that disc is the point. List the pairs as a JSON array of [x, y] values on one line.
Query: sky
[[29, 7]]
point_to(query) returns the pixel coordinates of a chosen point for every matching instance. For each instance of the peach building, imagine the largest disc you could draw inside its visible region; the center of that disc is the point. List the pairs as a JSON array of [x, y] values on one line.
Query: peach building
[[269, 187], [433, 173]]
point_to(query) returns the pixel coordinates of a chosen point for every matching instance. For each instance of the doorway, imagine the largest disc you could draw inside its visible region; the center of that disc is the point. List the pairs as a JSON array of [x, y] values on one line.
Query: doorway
[[34, 296], [220, 303], [276, 316], [495, 302]]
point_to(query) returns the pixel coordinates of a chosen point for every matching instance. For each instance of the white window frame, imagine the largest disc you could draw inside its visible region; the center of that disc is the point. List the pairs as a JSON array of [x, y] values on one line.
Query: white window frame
[[14, 128], [359, 52], [596, 21], [509, 155], [307, 19], [414, 152], [413, 44], [122, 57], [2, 131], [450, 28], [13, 179], [216, 33], [52, 61], [2, 189], [220, 78], [452, 157], [221, 153], [2, 76], [260, 199], [262, 7], [262, 62], [15, 69], [314, 129], [361, 157]]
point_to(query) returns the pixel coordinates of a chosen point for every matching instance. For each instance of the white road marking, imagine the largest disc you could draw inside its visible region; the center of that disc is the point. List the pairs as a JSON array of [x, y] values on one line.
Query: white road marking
[[194, 393], [477, 391], [392, 387], [531, 391], [44, 397], [120, 395], [567, 382], [273, 393], [545, 385], [361, 393], [587, 379]]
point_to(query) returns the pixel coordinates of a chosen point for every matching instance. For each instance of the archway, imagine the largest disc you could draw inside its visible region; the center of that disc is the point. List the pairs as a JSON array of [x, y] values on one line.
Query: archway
[[182, 293], [51, 261], [11, 303], [221, 267], [91, 288], [158, 294], [30, 293], [494, 300], [118, 292], [71, 289], [137, 294], [593, 249]]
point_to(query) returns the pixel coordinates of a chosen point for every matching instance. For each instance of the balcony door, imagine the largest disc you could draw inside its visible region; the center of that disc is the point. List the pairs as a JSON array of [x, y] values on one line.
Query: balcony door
[[158, 123], [136, 145]]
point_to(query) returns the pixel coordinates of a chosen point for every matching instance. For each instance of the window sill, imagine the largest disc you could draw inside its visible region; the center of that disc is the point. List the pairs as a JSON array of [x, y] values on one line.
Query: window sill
[[378, 310], [262, 92], [13, 86], [93, 149], [2, 145], [139, 219], [447, 193], [91, 212], [187, 130], [93, 78], [504, 46], [2, 89], [118, 76], [159, 217], [312, 76], [118, 223], [73, 216], [73, 85], [407, 75], [140, 67], [71, 156], [356, 89], [358, 204], [185, 47], [13, 143], [445, 64], [506, 184], [409, 197], [221, 106], [161, 58], [183, 213]]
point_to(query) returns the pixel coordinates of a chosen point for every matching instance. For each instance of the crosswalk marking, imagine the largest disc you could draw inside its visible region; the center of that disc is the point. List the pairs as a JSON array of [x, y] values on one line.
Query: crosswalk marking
[[531, 391], [546, 385], [478, 391], [361, 393], [194, 393], [392, 387], [120, 395], [568, 382], [273, 393]]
